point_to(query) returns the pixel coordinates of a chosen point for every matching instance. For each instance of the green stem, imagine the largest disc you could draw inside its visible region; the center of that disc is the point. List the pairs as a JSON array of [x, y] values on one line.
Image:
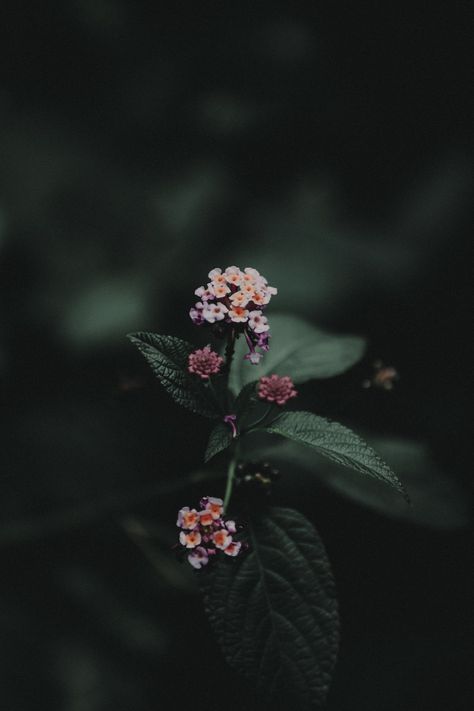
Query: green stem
[[229, 351], [230, 481], [258, 422]]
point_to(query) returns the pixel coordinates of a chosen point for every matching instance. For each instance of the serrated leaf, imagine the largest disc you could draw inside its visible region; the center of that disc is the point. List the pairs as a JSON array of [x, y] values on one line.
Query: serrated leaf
[[168, 358], [299, 350], [437, 499], [335, 442], [219, 439], [274, 611]]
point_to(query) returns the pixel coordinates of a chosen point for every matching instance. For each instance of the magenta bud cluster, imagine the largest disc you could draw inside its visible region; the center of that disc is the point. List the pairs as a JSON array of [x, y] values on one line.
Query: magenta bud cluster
[[276, 389], [204, 362]]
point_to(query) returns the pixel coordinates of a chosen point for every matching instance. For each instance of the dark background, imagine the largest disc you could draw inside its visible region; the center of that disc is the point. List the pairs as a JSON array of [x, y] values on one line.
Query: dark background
[[142, 144]]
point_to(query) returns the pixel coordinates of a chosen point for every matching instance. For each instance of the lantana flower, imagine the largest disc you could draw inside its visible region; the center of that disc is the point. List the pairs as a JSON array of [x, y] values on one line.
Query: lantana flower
[[276, 389], [204, 362], [211, 532], [236, 299]]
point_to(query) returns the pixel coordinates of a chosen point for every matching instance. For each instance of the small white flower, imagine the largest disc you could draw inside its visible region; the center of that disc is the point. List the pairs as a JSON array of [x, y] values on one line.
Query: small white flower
[[214, 272], [214, 312], [238, 314], [252, 272], [260, 298], [219, 290], [205, 294], [258, 322], [231, 526], [239, 299], [232, 270], [198, 557], [191, 539]]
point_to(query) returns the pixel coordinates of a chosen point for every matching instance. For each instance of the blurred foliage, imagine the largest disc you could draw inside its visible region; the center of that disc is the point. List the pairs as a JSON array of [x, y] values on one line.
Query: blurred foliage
[[142, 144]]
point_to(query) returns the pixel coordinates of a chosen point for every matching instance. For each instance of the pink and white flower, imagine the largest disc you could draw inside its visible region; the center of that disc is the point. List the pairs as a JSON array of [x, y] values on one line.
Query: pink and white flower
[[219, 290], [258, 322], [191, 539], [215, 506], [235, 299], [206, 518], [214, 312], [207, 532], [221, 539], [238, 314], [239, 299], [198, 557], [233, 548], [187, 518], [214, 273], [205, 293]]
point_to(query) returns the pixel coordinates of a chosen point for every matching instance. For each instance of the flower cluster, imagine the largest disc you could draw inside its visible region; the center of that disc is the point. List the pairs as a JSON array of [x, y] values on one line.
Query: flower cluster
[[207, 531], [237, 299], [385, 377], [276, 389], [204, 362]]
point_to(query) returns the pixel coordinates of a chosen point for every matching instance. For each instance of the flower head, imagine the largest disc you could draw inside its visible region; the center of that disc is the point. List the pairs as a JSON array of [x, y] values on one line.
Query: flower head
[[276, 389], [234, 300], [207, 532], [204, 362]]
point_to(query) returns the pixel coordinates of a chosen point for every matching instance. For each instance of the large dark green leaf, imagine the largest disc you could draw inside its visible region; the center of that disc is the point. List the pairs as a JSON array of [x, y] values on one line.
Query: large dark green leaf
[[437, 499], [275, 612], [219, 439], [335, 442], [299, 350], [168, 357]]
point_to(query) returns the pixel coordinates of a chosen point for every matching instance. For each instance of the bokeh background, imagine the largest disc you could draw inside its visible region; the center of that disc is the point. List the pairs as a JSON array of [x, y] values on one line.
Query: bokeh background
[[142, 144]]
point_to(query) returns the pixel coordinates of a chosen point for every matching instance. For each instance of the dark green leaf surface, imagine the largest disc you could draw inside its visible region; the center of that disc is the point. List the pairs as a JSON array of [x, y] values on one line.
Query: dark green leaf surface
[[168, 358], [275, 612], [438, 499], [219, 439], [335, 442], [246, 400], [299, 350]]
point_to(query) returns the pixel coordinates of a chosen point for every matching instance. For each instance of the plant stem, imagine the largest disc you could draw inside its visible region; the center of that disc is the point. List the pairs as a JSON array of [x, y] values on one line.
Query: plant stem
[[230, 480], [229, 351]]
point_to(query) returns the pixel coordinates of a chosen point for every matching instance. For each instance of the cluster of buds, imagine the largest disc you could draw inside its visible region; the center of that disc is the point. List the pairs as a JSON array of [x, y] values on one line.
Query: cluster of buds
[[256, 476], [236, 299], [276, 389], [384, 377], [207, 531], [204, 362]]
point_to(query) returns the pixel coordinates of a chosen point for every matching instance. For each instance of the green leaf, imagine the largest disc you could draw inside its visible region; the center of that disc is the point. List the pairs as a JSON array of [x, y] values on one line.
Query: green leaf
[[438, 499], [246, 400], [274, 611], [168, 357], [219, 439], [335, 442], [299, 350]]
